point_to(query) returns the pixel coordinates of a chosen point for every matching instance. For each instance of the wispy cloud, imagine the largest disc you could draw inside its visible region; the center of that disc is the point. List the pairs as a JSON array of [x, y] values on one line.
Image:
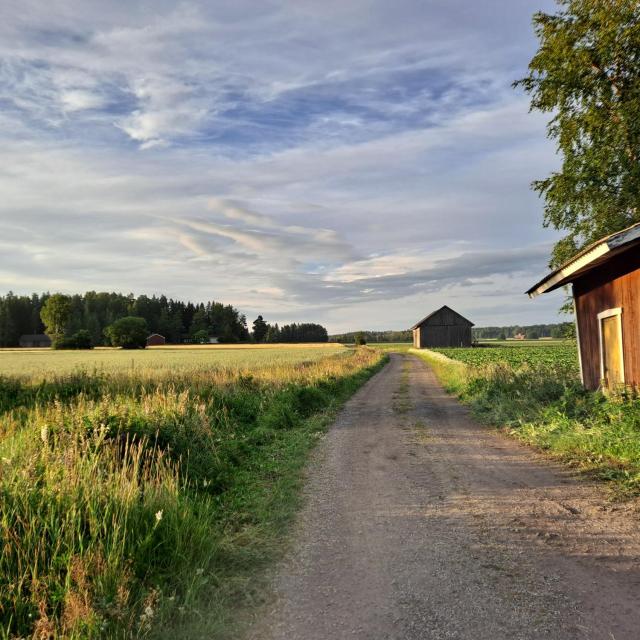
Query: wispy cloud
[[345, 162]]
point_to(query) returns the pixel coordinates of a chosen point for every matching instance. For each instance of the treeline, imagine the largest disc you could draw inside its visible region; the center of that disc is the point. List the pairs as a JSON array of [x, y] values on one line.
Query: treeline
[[374, 336], [530, 332], [179, 322], [94, 311], [304, 332]]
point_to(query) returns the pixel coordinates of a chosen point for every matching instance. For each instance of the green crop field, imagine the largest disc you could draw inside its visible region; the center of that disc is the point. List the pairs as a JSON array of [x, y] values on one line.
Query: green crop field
[[43, 363], [564, 354], [144, 494]]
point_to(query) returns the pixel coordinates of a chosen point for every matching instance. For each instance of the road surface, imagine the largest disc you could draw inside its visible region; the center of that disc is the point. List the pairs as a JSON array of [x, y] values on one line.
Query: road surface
[[421, 524]]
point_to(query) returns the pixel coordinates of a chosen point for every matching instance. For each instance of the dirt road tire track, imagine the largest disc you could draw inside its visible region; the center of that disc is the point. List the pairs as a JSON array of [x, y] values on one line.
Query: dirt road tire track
[[421, 524]]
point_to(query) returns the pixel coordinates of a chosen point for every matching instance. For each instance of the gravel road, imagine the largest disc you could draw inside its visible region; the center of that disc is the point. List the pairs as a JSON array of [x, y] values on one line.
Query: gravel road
[[421, 524]]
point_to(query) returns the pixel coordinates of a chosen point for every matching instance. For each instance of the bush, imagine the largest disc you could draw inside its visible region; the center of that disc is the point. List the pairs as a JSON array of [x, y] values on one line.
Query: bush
[[360, 339], [129, 333], [201, 337], [79, 340]]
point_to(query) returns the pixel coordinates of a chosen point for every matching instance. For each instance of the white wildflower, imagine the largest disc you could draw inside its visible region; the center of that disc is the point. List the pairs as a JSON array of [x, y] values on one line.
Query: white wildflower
[[158, 515]]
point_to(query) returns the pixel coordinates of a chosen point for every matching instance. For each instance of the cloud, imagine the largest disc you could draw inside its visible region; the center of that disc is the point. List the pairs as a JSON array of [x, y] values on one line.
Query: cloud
[[77, 100], [339, 162]]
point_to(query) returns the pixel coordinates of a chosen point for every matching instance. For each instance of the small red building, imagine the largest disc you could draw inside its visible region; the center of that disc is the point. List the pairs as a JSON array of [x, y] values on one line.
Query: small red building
[[605, 279], [155, 339]]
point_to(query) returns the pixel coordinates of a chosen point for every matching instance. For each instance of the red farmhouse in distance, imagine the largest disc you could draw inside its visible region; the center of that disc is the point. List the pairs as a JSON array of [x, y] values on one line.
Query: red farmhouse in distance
[[155, 339]]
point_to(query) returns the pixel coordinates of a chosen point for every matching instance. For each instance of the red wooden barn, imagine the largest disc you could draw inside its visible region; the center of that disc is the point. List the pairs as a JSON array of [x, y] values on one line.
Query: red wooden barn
[[605, 279], [155, 339]]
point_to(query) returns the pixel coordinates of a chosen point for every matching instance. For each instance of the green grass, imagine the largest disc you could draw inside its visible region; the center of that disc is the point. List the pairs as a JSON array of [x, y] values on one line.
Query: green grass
[[44, 363], [140, 504], [397, 347], [542, 403]]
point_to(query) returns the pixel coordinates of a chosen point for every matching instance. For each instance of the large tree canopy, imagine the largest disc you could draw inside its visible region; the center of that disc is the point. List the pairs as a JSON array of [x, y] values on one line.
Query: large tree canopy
[[587, 74]]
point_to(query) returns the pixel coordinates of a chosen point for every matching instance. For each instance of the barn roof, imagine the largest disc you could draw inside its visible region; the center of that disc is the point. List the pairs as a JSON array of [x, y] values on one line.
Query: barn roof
[[433, 313], [589, 258]]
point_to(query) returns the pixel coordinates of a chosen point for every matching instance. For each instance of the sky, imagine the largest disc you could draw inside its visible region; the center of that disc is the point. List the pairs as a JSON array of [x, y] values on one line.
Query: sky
[[357, 164]]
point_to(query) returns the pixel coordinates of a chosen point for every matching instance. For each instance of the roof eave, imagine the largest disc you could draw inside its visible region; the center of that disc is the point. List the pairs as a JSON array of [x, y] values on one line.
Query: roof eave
[[562, 276]]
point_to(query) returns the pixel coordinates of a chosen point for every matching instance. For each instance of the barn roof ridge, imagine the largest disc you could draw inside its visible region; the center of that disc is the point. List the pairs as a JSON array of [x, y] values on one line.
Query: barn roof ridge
[[433, 313], [585, 258]]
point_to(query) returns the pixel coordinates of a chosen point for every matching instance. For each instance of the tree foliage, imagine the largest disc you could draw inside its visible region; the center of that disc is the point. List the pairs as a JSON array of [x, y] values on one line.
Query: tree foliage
[[531, 332], [129, 333], [360, 339], [587, 74], [291, 333], [260, 328], [79, 340], [374, 336], [93, 311], [56, 314]]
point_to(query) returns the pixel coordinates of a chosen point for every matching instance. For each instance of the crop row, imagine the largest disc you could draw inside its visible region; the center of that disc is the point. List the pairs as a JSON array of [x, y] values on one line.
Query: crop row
[[563, 355]]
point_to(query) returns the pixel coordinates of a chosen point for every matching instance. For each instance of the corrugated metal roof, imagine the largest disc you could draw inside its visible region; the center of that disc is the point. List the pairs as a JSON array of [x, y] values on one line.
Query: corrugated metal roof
[[433, 313], [586, 259]]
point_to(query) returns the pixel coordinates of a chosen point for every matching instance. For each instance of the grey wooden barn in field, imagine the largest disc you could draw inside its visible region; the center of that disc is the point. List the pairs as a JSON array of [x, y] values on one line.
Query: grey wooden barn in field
[[442, 328], [35, 340]]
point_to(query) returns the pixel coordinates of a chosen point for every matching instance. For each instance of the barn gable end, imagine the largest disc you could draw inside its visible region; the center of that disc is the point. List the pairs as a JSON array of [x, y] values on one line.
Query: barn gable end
[[442, 328]]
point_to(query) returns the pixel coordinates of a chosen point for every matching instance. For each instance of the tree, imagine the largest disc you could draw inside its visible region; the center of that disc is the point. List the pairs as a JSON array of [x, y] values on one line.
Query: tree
[[56, 314], [587, 74], [79, 340], [260, 329], [201, 336], [273, 333], [199, 322], [360, 339], [129, 333]]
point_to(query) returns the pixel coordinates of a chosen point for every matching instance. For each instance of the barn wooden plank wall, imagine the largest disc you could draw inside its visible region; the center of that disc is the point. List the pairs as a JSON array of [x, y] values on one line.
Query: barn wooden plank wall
[[615, 284], [444, 328]]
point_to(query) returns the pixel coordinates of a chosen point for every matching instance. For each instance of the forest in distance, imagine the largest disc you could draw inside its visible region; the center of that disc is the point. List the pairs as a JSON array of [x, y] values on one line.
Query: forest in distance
[[528, 332], [179, 322]]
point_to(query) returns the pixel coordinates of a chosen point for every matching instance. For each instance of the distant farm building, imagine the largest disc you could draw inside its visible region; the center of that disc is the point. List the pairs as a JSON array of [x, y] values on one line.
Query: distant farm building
[[155, 339], [605, 279], [442, 328], [35, 340]]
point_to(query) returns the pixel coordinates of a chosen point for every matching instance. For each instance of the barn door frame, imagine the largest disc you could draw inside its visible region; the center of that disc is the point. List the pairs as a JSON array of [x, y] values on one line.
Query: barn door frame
[[610, 313]]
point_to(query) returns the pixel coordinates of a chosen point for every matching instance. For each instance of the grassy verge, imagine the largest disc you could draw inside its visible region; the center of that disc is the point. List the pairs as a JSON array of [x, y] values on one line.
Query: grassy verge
[[548, 408], [138, 505], [396, 347]]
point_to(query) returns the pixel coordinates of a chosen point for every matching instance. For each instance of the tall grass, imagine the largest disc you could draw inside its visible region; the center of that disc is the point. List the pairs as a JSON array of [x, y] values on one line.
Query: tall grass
[[146, 505], [547, 407]]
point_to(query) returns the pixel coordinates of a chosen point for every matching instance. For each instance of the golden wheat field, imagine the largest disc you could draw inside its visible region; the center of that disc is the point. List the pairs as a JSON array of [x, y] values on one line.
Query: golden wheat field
[[42, 363]]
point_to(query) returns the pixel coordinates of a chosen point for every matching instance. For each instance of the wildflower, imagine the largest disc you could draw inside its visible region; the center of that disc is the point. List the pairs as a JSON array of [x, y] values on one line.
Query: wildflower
[[158, 515]]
